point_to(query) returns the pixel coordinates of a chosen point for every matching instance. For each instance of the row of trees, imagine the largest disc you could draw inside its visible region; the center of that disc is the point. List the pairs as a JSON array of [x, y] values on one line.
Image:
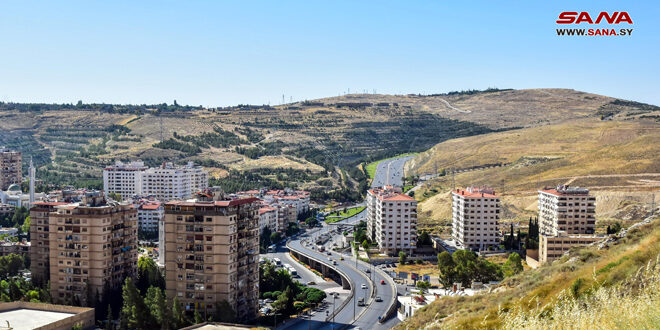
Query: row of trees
[[465, 267], [290, 296]]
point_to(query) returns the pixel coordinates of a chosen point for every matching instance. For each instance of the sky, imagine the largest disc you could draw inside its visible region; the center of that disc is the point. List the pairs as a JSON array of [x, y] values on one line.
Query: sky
[[218, 53]]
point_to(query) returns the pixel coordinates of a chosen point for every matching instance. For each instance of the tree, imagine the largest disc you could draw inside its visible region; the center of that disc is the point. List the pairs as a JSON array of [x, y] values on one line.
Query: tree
[[284, 303], [423, 286], [365, 245], [134, 312], [109, 322], [198, 317], [275, 237], [224, 312], [402, 257], [513, 265], [25, 228], [178, 318], [424, 239], [447, 269], [148, 275]]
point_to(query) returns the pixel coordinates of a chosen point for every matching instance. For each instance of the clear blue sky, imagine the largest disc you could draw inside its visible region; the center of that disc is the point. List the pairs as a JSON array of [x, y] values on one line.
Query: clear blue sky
[[222, 53]]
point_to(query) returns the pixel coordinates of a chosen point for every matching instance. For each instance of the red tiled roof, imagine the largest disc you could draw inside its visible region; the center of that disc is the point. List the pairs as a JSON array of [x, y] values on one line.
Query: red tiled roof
[[476, 194], [50, 203], [266, 209], [398, 197], [150, 206]]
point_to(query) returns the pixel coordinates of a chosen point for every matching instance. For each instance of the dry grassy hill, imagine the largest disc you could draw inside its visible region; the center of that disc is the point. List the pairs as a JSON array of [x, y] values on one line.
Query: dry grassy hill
[[316, 136], [617, 159]]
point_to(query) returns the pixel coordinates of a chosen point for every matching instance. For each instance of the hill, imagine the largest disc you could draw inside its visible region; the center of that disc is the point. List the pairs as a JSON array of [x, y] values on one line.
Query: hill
[[603, 286], [619, 160], [318, 142]]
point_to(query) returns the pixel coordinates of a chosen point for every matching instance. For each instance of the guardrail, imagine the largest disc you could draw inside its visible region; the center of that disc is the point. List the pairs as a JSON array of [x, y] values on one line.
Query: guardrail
[[341, 273]]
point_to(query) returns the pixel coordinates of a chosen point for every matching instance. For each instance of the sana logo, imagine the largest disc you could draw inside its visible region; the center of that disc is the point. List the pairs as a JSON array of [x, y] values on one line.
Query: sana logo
[[573, 17]]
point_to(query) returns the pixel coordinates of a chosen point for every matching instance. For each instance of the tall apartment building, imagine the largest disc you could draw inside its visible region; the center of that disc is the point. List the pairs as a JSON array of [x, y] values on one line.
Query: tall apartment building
[[212, 253], [475, 218], [167, 182], [392, 220], [566, 219], [40, 247], [91, 244], [568, 209], [10, 168], [149, 215], [124, 179]]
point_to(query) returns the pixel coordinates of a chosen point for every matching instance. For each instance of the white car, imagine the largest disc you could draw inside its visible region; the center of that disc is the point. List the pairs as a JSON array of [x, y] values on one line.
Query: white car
[[363, 286]]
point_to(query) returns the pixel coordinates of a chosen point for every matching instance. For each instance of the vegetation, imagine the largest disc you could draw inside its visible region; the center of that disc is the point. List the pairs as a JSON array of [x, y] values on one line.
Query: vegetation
[[343, 214], [290, 296], [465, 267]]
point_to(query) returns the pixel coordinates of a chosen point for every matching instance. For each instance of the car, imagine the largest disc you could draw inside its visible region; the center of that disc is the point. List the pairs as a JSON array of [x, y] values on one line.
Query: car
[[334, 262], [311, 283], [329, 259], [363, 286], [367, 271], [341, 258], [360, 302], [329, 253], [382, 282], [378, 299]]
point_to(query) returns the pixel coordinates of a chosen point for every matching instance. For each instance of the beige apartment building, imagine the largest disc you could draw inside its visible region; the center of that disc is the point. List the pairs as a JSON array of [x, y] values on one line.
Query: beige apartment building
[[392, 220], [566, 219], [40, 242], [10, 168], [475, 218], [90, 243], [212, 253]]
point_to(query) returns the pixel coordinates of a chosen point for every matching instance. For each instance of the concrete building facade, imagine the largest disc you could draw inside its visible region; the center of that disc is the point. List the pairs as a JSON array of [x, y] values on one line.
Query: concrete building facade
[[392, 220], [91, 243], [11, 169], [212, 253], [475, 218], [167, 182], [566, 219], [149, 215], [39, 235]]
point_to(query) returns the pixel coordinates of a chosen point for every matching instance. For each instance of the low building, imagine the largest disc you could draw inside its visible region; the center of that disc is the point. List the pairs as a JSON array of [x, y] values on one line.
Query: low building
[[20, 248], [553, 247], [10, 232], [268, 219], [22, 315], [6, 209], [13, 196]]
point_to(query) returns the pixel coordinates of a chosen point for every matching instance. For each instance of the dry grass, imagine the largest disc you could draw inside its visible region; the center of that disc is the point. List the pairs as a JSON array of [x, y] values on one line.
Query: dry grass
[[542, 289]]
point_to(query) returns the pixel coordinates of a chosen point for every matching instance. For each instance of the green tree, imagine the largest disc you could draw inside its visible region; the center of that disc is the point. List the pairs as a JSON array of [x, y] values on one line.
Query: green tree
[[423, 286], [109, 325], [224, 312], [275, 237], [447, 269], [513, 265], [178, 318], [365, 245], [402, 257], [134, 312], [149, 275]]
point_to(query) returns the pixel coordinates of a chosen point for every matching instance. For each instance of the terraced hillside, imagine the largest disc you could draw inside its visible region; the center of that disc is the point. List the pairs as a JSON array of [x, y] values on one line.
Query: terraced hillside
[[318, 142]]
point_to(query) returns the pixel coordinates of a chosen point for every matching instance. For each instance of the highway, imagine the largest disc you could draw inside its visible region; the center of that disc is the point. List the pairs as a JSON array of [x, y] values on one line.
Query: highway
[[392, 168], [350, 316]]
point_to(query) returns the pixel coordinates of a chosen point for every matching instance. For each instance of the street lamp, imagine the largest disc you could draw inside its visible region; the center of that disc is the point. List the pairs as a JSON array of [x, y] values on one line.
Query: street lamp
[[334, 297]]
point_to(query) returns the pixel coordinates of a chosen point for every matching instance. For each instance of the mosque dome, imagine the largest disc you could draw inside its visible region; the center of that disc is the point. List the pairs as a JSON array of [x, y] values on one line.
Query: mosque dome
[[14, 187]]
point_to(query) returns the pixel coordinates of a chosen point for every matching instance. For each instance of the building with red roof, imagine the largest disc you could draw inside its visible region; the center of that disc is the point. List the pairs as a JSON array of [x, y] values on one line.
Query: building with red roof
[[475, 218], [392, 220]]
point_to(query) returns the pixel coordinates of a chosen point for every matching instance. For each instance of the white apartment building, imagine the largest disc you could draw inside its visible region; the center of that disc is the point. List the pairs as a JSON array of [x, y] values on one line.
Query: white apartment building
[[167, 182], [475, 218], [268, 218], [566, 219], [150, 215], [568, 209], [124, 179], [392, 220]]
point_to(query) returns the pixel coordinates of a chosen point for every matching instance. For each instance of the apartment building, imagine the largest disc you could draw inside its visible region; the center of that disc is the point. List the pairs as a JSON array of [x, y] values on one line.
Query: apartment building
[[91, 244], [22, 248], [392, 220], [566, 219], [39, 235], [10, 168], [167, 182], [296, 198], [475, 218], [568, 209], [212, 253], [124, 179], [149, 215], [268, 219]]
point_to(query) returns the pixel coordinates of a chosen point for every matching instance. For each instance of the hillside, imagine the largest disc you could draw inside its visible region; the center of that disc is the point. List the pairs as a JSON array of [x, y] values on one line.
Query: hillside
[[619, 160], [615, 285], [315, 139]]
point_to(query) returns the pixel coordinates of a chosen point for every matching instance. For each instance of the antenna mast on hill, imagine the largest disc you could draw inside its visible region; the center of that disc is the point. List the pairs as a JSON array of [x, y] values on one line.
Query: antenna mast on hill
[[453, 178], [283, 99]]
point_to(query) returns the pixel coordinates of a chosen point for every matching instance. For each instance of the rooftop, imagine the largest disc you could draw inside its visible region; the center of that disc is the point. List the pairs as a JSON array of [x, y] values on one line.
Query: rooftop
[[562, 190], [476, 192], [26, 316]]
